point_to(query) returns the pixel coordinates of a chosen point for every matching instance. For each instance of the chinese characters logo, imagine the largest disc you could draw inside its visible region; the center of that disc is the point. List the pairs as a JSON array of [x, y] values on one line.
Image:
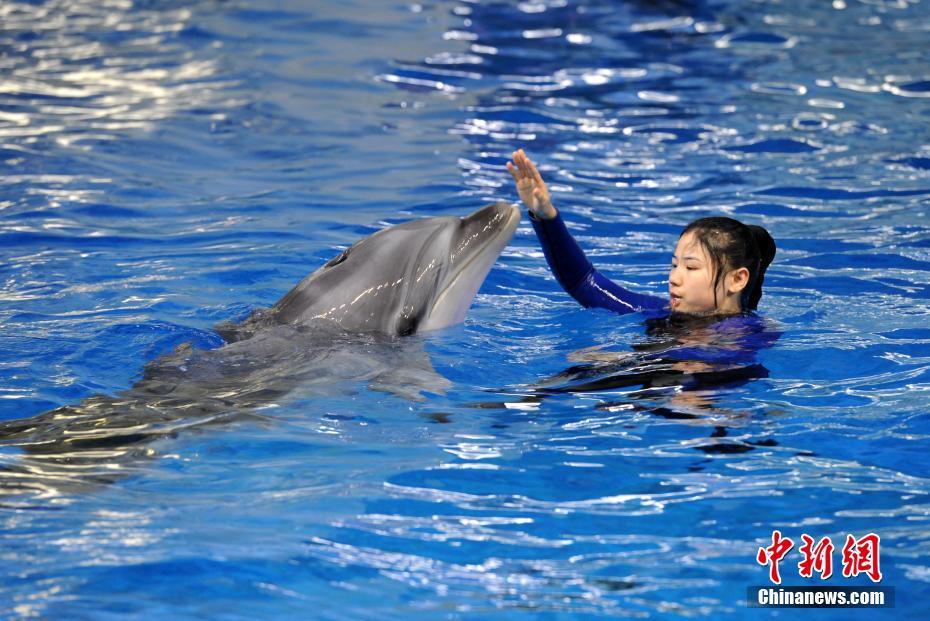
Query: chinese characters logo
[[859, 556]]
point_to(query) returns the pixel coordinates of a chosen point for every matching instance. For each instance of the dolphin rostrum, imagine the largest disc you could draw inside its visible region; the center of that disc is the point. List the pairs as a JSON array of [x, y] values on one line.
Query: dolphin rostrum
[[336, 328]]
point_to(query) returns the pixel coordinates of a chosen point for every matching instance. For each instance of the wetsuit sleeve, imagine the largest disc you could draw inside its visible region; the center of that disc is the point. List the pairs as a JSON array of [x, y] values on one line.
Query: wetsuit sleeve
[[580, 278]]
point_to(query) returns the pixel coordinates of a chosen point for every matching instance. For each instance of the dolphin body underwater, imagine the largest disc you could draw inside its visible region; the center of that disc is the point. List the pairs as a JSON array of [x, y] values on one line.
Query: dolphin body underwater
[[336, 328]]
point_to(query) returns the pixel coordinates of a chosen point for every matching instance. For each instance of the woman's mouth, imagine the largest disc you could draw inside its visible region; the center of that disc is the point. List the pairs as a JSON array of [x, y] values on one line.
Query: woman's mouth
[[674, 301]]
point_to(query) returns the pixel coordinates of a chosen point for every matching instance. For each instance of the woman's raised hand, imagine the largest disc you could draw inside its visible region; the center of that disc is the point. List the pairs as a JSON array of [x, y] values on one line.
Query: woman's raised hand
[[530, 185]]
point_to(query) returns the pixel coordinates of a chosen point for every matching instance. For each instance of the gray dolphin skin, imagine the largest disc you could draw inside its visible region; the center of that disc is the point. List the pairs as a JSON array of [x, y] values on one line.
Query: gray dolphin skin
[[334, 332]]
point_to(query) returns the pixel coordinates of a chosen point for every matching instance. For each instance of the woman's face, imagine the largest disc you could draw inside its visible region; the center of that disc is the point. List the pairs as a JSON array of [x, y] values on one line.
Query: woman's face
[[691, 279]]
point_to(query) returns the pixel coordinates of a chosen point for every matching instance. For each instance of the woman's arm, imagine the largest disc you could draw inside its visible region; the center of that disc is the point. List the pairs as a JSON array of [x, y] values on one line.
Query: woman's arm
[[567, 261]]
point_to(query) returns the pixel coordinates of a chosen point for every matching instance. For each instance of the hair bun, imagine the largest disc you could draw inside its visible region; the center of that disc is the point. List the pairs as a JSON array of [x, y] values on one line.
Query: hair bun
[[766, 246], [764, 243]]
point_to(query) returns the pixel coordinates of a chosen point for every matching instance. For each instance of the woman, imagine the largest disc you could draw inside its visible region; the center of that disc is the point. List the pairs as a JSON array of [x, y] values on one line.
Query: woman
[[718, 266], [704, 334]]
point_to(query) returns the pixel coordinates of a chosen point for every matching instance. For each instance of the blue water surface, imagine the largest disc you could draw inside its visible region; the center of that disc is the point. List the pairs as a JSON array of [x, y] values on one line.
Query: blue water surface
[[168, 165]]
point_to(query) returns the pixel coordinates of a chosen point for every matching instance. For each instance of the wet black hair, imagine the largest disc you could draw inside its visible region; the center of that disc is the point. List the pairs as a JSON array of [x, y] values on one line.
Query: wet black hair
[[730, 244]]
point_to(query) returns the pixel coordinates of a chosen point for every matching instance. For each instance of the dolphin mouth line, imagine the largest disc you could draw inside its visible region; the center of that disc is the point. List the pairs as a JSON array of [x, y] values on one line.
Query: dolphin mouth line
[[514, 215]]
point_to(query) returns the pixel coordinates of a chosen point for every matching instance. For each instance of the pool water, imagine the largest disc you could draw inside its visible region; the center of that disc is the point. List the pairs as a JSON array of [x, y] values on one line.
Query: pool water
[[169, 165]]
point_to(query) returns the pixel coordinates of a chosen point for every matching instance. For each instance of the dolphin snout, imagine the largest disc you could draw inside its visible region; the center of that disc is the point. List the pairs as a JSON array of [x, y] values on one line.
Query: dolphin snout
[[501, 211]]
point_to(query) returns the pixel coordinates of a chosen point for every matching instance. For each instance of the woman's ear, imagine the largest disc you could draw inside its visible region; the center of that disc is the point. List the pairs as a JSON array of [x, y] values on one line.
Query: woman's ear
[[737, 280]]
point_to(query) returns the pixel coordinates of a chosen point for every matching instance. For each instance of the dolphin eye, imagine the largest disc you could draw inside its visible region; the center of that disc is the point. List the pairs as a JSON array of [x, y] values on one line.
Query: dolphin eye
[[337, 260]]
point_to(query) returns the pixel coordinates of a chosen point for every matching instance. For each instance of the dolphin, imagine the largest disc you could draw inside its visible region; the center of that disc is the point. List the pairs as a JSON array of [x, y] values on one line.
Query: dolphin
[[411, 277], [340, 326]]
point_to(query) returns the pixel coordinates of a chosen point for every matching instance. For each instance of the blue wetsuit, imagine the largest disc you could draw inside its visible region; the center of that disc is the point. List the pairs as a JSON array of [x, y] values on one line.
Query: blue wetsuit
[[580, 278]]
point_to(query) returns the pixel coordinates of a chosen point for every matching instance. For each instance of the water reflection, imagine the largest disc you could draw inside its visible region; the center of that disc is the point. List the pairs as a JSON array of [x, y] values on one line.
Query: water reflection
[[75, 67], [76, 75]]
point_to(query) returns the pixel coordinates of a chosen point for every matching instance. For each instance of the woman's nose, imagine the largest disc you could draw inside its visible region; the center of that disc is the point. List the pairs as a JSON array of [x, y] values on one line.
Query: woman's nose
[[673, 277]]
